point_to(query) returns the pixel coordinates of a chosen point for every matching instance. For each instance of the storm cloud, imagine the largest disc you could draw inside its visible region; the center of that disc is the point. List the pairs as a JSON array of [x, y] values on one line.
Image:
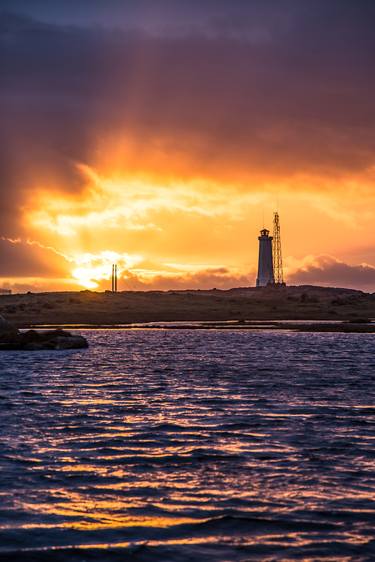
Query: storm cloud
[[244, 93], [286, 86]]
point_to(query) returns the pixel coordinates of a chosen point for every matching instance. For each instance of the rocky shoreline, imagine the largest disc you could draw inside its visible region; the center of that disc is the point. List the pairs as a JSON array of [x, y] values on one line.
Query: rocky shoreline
[[12, 339], [362, 326]]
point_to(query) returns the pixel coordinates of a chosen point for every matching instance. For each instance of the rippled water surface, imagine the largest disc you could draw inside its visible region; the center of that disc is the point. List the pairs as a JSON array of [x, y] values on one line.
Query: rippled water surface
[[189, 446]]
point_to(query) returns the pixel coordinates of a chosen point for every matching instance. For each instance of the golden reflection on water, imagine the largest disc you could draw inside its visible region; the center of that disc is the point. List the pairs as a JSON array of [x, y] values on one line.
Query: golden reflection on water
[[100, 514], [242, 459], [112, 523]]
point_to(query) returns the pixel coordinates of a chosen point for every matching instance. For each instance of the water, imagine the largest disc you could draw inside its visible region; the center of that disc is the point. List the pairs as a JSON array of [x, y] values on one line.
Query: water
[[189, 446]]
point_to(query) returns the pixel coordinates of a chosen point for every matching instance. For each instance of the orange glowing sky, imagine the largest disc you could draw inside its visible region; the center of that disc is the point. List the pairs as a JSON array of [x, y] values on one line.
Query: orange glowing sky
[[165, 148]]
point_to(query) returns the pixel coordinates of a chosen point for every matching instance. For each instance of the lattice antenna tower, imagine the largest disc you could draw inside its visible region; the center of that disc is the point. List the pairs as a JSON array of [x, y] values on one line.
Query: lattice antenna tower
[[276, 251]]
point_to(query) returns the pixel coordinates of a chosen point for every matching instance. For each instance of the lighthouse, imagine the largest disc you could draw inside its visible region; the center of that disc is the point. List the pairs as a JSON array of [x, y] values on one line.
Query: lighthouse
[[265, 263]]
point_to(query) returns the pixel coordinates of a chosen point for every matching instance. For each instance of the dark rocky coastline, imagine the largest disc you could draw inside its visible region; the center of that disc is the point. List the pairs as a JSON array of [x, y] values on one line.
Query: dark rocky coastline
[[13, 339]]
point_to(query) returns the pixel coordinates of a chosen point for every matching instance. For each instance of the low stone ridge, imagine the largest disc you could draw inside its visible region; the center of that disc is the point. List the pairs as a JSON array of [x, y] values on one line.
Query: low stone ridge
[[13, 339], [246, 303]]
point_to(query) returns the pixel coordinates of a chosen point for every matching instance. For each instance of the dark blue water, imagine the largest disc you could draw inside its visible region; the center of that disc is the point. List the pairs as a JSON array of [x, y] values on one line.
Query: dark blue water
[[189, 446]]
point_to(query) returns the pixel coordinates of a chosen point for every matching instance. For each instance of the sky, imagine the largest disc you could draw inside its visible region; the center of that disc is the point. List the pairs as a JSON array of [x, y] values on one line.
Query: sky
[[162, 136]]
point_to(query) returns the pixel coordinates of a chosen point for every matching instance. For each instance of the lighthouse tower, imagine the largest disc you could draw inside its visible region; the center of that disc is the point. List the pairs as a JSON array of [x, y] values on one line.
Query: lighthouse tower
[[265, 263]]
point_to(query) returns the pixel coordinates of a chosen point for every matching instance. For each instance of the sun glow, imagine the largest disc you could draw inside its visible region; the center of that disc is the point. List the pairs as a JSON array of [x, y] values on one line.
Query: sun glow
[[185, 232], [132, 202], [91, 268]]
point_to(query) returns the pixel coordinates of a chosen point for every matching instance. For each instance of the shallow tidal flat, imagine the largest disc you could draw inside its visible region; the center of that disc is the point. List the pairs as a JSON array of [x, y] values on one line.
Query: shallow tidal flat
[[189, 445]]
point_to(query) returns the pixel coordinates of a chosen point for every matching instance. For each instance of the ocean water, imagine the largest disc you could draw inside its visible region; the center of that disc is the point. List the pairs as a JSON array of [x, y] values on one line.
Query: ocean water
[[163, 445]]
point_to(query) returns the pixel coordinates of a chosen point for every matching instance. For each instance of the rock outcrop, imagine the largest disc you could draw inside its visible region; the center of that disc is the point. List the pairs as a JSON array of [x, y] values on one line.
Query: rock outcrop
[[31, 340]]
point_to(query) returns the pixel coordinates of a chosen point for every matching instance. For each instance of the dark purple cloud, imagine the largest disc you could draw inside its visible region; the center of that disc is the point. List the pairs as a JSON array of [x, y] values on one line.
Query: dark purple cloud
[[23, 259], [219, 278], [233, 87], [331, 272]]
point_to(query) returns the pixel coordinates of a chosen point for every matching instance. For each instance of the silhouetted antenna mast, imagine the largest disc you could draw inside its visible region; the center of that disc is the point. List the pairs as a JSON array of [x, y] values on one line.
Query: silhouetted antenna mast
[[114, 278], [276, 251]]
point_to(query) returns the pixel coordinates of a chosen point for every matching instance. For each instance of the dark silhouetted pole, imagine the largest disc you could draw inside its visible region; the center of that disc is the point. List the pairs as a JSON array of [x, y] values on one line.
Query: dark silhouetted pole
[[114, 278]]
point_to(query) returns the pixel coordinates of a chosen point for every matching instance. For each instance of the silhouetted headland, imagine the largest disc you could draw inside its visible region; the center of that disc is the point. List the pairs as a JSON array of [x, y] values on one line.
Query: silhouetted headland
[[239, 306]]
